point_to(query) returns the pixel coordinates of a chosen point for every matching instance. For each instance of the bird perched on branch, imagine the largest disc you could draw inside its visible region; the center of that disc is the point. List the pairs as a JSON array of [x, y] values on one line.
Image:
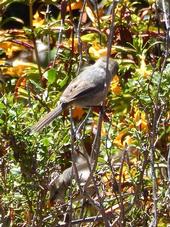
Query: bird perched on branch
[[88, 89], [80, 172]]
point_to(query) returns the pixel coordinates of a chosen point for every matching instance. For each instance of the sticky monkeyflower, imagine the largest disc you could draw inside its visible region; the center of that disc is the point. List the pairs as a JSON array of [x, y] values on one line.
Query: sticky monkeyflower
[[123, 139], [37, 21], [10, 48], [115, 86], [140, 120], [96, 50], [143, 69]]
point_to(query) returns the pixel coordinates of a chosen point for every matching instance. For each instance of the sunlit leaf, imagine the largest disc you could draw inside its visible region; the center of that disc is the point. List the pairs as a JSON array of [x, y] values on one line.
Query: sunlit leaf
[[50, 75], [90, 13]]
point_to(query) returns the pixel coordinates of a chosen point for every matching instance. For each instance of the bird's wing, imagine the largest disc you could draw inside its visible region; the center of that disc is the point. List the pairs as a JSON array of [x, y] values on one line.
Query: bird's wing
[[84, 84]]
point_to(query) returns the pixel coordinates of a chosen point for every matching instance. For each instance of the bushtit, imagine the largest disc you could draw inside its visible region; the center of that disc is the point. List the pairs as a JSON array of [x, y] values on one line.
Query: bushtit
[[44, 55], [88, 89], [59, 184], [42, 49]]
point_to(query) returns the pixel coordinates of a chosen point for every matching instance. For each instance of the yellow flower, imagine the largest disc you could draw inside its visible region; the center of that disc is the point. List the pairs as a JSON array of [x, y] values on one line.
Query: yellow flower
[[37, 21], [119, 138], [96, 50], [143, 70], [140, 120], [115, 86]]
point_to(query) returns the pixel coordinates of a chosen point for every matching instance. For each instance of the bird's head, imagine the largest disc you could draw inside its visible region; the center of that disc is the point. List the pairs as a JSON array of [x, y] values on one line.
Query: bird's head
[[112, 65]]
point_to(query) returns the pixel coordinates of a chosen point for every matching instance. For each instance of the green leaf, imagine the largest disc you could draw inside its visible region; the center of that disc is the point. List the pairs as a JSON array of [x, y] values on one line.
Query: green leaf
[[47, 141], [91, 37], [63, 82], [2, 106], [50, 75]]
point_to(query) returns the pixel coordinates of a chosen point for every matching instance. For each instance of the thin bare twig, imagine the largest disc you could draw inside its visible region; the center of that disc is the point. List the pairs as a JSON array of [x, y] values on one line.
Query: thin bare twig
[[94, 157], [89, 219], [58, 42], [98, 19], [153, 139], [79, 35]]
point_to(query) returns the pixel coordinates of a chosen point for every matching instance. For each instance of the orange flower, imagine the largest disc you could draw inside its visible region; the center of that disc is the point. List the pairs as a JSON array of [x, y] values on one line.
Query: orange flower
[[96, 50], [140, 120], [77, 113], [143, 70], [115, 86], [123, 139], [37, 21], [119, 138], [10, 48], [75, 5]]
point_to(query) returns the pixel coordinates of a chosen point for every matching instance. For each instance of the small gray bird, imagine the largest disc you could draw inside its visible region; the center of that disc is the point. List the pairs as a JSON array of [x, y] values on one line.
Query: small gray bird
[[60, 183], [88, 89]]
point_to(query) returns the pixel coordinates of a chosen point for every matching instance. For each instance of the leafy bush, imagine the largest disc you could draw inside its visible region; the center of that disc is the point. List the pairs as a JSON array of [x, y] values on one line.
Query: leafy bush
[[131, 177]]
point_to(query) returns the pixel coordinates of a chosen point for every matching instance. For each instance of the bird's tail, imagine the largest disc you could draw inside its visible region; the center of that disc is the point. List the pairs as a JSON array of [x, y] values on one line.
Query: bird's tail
[[48, 118]]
